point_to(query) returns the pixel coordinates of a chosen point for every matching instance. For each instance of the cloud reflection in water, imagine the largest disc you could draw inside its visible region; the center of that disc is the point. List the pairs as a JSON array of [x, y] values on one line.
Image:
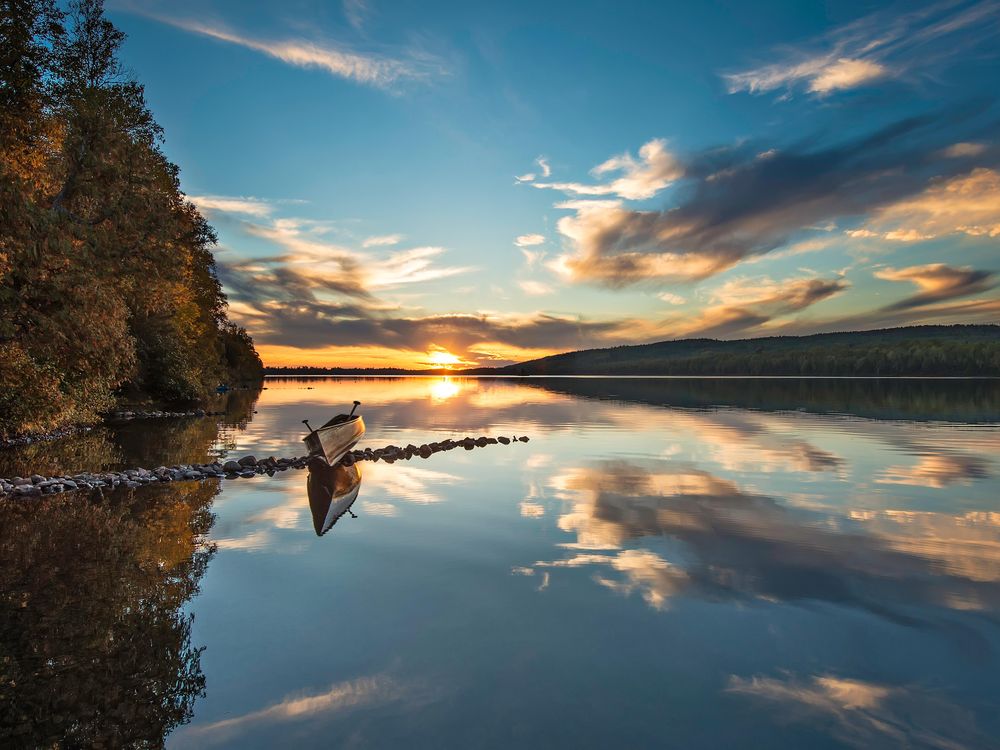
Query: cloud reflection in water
[[720, 542]]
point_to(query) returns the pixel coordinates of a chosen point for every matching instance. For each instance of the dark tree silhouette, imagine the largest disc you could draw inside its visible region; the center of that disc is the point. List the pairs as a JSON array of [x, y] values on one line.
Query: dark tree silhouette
[[95, 649]]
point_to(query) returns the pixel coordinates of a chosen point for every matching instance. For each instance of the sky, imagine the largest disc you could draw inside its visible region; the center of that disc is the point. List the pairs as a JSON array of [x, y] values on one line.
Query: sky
[[403, 184]]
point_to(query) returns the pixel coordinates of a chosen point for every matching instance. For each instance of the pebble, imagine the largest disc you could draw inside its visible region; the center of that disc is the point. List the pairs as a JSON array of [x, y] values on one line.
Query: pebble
[[245, 467]]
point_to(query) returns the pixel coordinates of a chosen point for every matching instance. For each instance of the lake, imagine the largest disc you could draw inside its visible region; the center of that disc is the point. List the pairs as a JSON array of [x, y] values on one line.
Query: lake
[[693, 563]]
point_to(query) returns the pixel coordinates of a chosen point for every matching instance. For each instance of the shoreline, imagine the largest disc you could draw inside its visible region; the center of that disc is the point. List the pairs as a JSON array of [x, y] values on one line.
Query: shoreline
[[112, 418]]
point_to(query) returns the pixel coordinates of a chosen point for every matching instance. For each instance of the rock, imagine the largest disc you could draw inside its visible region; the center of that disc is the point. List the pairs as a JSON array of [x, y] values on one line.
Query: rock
[[482, 442], [36, 478], [248, 461], [231, 466], [523, 439]]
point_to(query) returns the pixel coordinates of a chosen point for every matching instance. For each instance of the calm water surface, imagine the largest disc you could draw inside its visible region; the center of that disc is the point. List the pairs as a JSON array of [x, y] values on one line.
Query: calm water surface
[[668, 563]]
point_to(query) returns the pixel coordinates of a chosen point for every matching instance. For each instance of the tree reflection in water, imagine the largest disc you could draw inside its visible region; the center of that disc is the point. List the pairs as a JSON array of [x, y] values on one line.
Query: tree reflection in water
[[95, 649], [141, 442]]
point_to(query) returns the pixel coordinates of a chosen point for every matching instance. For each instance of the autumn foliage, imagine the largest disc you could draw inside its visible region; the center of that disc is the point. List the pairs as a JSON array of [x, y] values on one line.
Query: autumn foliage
[[107, 279]]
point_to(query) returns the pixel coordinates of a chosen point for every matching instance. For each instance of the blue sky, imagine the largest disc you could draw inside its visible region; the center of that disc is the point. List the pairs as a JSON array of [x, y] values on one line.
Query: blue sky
[[403, 183]]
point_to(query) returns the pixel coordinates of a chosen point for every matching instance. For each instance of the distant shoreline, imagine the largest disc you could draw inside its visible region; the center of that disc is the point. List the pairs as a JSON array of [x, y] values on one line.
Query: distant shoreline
[[956, 351]]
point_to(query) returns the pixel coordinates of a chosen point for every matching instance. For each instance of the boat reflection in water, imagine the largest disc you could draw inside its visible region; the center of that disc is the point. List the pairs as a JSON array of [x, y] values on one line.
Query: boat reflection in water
[[332, 491]]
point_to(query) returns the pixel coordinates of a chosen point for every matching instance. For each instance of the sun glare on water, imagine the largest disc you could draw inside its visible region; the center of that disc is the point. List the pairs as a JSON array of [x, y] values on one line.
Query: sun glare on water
[[443, 389]]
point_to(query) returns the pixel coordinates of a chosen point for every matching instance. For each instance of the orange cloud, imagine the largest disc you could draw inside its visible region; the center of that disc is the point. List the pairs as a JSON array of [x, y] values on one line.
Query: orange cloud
[[968, 204]]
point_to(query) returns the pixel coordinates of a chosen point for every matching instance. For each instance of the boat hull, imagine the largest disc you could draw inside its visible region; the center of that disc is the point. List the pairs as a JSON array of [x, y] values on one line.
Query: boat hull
[[332, 441], [332, 491]]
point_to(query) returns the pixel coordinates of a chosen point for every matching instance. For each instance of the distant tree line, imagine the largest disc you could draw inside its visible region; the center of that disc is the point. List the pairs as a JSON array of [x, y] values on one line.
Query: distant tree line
[[915, 351], [107, 279]]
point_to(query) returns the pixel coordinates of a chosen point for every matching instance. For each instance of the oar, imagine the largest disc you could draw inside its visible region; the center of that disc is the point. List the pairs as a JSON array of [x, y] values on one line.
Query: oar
[[356, 405], [306, 423]]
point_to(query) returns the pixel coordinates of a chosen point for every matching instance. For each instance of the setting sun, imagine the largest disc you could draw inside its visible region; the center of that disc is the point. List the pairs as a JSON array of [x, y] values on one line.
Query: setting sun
[[442, 358]]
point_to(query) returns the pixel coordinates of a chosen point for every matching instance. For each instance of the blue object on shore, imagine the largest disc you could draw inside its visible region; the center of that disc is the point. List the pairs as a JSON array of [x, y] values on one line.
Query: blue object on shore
[[222, 388]]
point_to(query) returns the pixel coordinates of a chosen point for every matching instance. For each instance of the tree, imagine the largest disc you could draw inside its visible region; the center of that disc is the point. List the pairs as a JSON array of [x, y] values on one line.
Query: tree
[[107, 279]]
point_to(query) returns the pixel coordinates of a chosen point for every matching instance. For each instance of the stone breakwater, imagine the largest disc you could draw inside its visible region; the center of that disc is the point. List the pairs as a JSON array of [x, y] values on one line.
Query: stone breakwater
[[245, 467]]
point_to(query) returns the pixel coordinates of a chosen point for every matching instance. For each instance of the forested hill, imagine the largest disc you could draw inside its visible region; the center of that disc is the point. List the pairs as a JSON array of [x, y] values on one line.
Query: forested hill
[[960, 350], [107, 280]]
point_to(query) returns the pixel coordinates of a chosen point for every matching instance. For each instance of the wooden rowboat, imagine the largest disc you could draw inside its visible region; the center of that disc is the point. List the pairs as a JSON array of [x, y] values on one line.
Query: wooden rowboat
[[332, 491], [331, 441]]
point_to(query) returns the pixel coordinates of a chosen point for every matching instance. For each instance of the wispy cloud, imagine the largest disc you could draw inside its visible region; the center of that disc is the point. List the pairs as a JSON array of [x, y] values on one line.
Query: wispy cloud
[[230, 204], [671, 299], [356, 12], [535, 288], [544, 170], [885, 44], [528, 240], [822, 75], [655, 168], [745, 304], [335, 58], [938, 282], [382, 240]]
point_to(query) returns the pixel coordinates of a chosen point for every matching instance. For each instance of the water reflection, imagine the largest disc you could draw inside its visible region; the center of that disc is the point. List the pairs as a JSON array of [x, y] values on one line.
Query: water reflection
[[95, 648], [141, 442], [696, 563], [954, 400], [720, 541], [332, 491], [865, 714]]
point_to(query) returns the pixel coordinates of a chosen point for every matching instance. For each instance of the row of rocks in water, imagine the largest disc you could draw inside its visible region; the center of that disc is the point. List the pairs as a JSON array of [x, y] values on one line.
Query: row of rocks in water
[[392, 453], [120, 416], [246, 467]]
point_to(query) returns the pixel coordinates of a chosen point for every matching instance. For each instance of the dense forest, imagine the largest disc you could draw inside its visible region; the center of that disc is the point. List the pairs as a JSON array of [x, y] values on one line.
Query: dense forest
[[960, 350], [107, 279]]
